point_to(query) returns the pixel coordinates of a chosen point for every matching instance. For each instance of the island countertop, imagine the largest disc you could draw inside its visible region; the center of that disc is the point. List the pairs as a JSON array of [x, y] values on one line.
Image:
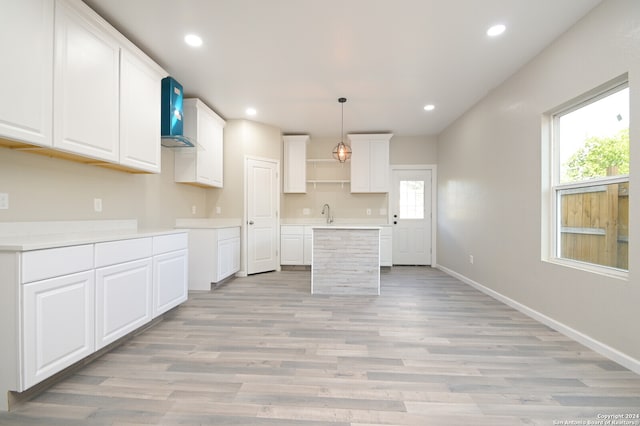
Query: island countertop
[[346, 227]]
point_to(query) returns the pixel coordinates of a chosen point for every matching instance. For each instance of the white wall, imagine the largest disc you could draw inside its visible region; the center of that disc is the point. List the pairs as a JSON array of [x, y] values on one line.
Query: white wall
[[489, 191]]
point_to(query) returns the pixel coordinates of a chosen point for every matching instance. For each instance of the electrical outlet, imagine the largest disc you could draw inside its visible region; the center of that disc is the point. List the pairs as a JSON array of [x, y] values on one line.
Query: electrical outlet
[[97, 204], [368, 212], [4, 201], [471, 259], [218, 210], [306, 211], [383, 212], [194, 209]]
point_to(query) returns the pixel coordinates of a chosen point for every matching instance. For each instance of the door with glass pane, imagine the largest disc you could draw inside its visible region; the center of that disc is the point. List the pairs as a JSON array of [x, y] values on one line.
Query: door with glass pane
[[411, 217]]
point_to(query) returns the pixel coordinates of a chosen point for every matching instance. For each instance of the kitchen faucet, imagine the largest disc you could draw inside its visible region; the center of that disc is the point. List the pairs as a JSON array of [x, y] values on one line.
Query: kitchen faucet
[[329, 218]]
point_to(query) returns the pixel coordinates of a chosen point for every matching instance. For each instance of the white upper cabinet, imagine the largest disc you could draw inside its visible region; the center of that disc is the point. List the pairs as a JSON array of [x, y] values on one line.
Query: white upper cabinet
[[295, 163], [139, 113], [202, 164], [76, 87], [370, 162], [86, 85], [26, 43]]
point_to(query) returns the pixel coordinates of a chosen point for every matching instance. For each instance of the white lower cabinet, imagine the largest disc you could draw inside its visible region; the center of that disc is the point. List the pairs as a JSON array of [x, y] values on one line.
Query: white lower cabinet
[[170, 272], [123, 299], [73, 300], [58, 324], [291, 245], [214, 254]]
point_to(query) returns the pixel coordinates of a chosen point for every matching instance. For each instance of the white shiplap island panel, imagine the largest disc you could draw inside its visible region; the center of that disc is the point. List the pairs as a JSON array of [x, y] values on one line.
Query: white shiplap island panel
[[346, 260]]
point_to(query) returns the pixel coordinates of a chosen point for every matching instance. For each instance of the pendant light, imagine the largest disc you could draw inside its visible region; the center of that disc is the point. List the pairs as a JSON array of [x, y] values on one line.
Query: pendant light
[[342, 152]]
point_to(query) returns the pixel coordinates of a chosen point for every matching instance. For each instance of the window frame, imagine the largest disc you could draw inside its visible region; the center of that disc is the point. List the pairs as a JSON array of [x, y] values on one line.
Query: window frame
[[555, 188]]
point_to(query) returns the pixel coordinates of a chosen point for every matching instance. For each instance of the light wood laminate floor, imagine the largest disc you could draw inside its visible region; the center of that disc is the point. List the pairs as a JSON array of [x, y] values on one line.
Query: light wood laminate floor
[[261, 350]]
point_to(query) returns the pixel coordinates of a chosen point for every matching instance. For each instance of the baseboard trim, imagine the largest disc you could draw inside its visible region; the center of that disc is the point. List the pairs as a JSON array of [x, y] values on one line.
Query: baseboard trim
[[593, 344]]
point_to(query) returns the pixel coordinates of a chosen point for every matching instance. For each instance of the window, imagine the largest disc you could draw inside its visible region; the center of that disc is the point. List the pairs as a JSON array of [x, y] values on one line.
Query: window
[[411, 199], [590, 180]]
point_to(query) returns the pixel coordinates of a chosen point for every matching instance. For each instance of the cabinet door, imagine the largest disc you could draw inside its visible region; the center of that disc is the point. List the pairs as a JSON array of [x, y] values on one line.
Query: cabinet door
[[360, 166], [295, 164], [203, 164], [139, 114], [235, 255], [225, 259], [205, 156], [58, 324], [217, 149], [123, 300], [26, 43], [86, 82], [291, 248], [170, 280], [379, 166]]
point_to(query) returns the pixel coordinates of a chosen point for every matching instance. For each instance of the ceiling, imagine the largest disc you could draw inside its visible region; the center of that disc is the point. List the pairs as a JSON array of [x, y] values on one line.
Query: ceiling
[[292, 59]]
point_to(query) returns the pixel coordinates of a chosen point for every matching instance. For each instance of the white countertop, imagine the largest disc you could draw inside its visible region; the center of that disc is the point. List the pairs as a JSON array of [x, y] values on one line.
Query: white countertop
[[25, 236]]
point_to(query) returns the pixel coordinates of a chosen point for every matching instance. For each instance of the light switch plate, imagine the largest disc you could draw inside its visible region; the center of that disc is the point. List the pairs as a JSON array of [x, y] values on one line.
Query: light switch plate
[[4, 201]]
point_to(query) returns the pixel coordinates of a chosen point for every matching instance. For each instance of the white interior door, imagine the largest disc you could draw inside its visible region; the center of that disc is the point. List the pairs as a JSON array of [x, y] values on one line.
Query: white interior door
[[262, 215], [411, 217]]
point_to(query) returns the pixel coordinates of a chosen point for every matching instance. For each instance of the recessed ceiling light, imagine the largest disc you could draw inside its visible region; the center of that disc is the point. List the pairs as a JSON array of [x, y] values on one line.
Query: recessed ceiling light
[[429, 107], [193, 40], [251, 111], [496, 30]]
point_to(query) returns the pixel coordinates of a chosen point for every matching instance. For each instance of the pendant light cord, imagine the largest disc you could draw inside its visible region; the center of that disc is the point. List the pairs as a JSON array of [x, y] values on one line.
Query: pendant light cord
[[342, 101]]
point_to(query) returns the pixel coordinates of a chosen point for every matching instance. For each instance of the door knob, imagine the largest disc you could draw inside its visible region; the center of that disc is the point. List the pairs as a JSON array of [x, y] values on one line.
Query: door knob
[[395, 216], [250, 222]]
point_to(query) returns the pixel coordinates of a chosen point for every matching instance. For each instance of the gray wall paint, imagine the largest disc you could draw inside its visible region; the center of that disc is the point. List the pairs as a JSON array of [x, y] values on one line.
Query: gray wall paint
[[345, 205], [489, 189], [42, 189]]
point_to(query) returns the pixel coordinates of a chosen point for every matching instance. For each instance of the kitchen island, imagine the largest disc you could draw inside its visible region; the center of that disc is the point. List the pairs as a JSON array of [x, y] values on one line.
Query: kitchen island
[[346, 260]]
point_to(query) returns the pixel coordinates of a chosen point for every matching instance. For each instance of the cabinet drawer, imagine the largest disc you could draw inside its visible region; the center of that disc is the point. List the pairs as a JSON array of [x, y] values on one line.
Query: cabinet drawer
[[113, 252], [228, 233], [171, 242], [49, 263]]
